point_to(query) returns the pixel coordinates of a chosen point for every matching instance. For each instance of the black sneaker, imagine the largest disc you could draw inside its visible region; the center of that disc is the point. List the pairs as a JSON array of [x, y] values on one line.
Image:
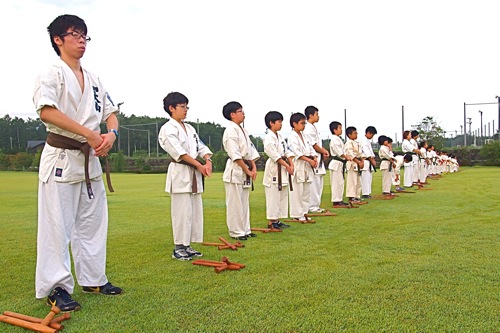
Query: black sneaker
[[181, 254], [192, 252], [240, 237], [283, 225], [107, 289], [59, 297], [251, 235], [366, 196], [275, 225]]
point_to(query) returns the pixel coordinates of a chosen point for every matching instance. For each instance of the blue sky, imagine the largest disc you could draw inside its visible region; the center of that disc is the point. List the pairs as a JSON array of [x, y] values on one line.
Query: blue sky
[[369, 57]]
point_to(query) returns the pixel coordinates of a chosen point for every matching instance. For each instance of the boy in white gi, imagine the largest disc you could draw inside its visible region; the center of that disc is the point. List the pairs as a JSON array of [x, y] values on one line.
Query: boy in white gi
[[305, 163], [337, 165], [311, 135], [72, 204], [416, 157], [407, 147], [279, 166], [184, 176], [387, 164], [240, 172], [354, 165], [369, 165], [424, 162]]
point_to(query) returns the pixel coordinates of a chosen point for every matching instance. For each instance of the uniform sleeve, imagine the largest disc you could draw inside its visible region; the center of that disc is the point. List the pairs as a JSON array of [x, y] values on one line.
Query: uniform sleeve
[[270, 148], [168, 138], [203, 148], [231, 144], [48, 89], [294, 145]]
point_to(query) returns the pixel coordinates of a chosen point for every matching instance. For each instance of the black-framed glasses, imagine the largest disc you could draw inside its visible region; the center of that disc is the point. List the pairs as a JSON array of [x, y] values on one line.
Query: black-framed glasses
[[77, 35], [182, 106]]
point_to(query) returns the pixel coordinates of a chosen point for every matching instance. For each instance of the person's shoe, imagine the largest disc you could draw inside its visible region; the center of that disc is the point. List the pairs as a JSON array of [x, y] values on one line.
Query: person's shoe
[[400, 188], [62, 299], [341, 204], [317, 211], [274, 225], [240, 237], [283, 225], [181, 254], [107, 289], [251, 235], [192, 252], [366, 196]]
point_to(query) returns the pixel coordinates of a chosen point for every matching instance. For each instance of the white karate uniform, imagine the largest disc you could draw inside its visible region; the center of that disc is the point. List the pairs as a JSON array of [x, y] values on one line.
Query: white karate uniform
[[396, 181], [366, 172], [352, 149], [336, 169], [237, 144], [423, 165], [276, 200], [65, 212], [186, 208], [407, 147], [302, 177], [416, 162], [386, 156], [311, 135]]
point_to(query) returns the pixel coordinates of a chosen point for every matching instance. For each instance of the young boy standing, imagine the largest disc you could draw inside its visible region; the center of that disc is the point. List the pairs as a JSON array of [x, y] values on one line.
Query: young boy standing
[[72, 204], [239, 173], [279, 166], [337, 165], [369, 166], [311, 135], [184, 176], [354, 165], [304, 163], [387, 164]]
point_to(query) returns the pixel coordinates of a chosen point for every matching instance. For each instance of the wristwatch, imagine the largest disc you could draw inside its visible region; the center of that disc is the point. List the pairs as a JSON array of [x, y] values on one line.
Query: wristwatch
[[114, 131]]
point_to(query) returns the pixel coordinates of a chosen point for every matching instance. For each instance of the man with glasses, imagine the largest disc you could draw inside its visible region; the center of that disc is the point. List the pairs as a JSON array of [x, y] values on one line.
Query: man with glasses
[[72, 204]]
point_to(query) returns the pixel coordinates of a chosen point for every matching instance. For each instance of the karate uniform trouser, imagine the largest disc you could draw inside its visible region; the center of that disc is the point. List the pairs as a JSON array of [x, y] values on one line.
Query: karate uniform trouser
[[353, 188], [423, 172], [186, 210], [67, 215], [237, 209], [386, 181], [408, 175], [316, 192], [337, 184], [276, 202], [393, 177], [299, 199], [366, 181], [416, 169]]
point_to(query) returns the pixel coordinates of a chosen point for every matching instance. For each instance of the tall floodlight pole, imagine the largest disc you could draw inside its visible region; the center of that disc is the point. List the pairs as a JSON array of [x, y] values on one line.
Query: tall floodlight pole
[[481, 113], [498, 98], [470, 123], [345, 124], [402, 119], [465, 126]]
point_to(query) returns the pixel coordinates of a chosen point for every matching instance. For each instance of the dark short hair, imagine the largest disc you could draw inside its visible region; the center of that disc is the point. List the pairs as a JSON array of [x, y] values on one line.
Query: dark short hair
[[382, 139], [309, 111], [389, 139], [405, 134], [414, 133], [61, 24], [296, 117], [229, 108], [173, 99], [371, 129], [349, 130], [407, 157], [272, 117], [334, 125]]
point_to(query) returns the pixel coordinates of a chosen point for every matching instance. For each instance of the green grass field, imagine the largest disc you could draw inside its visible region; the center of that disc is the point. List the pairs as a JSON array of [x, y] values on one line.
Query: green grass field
[[424, 262]]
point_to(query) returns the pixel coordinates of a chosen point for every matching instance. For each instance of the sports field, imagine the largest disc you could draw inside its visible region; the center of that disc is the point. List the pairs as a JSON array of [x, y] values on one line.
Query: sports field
[[424, 262]]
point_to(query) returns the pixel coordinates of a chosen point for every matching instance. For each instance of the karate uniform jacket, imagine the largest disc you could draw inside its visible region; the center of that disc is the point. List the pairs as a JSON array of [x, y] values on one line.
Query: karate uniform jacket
[[353, 149], [303, 171], [311, 135], [177, 142], [336, 149], [275, 147], [385, 153]]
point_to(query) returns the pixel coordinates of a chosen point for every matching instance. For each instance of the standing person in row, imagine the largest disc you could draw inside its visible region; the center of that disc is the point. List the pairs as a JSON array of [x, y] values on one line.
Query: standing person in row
[[184, 176], [354, 166], [279, 166], [416, 157], [240, 172], [388, 163], [407, 147], [72, 204], [337, 165], [311, 135], [304, 163], [369, 165]]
